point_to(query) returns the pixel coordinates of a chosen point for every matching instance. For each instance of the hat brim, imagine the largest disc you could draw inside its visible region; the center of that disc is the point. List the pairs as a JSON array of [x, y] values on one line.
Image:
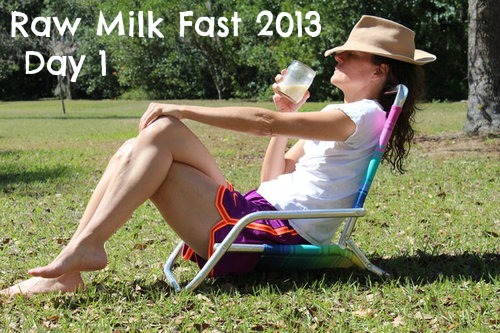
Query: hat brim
[[420, 57]]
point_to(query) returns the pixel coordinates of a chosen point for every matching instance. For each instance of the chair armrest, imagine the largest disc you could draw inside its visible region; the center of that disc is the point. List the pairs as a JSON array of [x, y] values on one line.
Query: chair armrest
[[301, 214]]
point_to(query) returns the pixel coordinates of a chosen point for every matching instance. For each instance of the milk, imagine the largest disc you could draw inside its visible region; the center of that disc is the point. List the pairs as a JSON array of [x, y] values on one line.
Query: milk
[[293, 92], [296, 80]]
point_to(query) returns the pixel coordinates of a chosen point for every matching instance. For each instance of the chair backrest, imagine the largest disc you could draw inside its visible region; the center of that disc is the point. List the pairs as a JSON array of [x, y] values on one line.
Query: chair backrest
[[401, 94]]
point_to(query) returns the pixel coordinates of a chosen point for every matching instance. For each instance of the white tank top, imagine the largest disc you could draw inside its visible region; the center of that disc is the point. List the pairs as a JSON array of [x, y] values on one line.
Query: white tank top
[[329, 174]]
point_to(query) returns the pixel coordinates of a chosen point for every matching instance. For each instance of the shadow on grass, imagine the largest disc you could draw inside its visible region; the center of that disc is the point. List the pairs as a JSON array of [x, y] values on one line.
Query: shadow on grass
[[20, 182], [418, 270], [427, 268], [29, 176], [414, 270], [16, 175]]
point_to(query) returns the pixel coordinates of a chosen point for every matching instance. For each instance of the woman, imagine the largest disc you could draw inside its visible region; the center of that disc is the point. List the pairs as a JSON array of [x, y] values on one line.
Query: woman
[[168, 164]]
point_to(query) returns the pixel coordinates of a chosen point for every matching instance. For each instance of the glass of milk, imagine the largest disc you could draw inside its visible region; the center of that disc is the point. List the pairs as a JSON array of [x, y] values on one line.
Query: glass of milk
[[297, 79]]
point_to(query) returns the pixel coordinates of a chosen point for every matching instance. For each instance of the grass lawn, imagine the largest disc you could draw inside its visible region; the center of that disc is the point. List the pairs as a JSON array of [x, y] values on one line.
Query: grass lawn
[[435, 229]]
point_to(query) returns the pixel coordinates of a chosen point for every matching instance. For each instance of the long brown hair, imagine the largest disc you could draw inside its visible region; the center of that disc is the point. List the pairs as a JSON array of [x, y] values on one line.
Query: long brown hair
[[411, 76]]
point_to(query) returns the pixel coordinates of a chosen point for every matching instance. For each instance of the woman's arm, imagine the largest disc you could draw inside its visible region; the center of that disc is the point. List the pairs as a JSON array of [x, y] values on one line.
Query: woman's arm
[[277, 160], [332, 125]]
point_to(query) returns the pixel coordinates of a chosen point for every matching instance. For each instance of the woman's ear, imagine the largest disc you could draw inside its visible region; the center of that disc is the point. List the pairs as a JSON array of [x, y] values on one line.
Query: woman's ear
[[382, 70]]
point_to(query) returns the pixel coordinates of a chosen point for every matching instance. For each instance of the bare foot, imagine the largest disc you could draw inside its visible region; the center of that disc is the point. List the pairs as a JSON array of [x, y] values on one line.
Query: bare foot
[[73, 258], [65, 283]]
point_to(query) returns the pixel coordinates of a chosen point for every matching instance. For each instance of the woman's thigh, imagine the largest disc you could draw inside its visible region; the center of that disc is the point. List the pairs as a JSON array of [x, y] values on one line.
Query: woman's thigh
[[186, 200], [173, 137]]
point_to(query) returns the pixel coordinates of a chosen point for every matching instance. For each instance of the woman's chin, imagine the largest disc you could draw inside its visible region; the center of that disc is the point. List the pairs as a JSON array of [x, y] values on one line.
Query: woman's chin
[[336, 82]]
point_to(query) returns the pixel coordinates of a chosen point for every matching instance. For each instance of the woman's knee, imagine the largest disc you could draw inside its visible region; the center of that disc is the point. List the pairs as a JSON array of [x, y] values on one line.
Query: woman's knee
[[163, 128], [157, 133]]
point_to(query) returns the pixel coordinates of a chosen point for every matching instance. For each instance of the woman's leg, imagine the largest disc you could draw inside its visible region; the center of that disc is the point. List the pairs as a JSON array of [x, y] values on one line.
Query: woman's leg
[[138, 176], [175, 200], [102, 186], [72, 281], [186, 200]]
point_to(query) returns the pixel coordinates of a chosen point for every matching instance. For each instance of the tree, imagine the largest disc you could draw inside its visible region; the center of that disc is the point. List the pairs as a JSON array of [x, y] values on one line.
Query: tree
[[483, 116], [14, 83], [242, 66]]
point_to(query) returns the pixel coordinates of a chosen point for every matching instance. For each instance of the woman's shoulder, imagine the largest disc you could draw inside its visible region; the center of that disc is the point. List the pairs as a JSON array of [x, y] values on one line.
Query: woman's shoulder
[[359, 109], [366, 105]]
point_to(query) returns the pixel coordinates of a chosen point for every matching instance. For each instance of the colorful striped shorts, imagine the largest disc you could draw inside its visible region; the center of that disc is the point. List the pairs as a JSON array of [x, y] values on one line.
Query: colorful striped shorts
[[232, 206]]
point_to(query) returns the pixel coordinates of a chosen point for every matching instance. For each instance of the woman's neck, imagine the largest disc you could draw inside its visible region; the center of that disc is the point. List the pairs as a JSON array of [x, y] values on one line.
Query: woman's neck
[[350, 98]]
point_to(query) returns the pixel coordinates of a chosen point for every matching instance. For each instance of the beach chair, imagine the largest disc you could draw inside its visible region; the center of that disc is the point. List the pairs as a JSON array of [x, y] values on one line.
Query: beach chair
[[343, 254]]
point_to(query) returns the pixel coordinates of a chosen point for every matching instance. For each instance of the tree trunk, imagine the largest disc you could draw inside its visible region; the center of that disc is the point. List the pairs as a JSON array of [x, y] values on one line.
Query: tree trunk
[[483, 116]]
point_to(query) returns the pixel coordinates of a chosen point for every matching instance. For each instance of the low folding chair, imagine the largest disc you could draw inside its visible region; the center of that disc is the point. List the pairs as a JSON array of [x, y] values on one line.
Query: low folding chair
[[345, 253]]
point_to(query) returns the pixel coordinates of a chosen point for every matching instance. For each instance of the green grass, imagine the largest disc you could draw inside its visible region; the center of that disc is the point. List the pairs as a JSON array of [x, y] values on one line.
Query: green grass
[[435, 229], [442, 117]]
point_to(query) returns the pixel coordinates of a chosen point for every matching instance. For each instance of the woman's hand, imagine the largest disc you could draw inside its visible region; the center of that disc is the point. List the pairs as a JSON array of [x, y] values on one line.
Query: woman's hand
[[157, 110], [282, 103]]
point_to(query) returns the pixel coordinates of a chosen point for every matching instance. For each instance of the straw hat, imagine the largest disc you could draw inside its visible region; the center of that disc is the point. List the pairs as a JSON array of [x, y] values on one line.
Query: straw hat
[[386, 38]]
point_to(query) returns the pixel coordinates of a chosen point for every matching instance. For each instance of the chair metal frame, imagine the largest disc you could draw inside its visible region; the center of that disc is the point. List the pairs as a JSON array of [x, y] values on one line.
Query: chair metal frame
[[351, 215]]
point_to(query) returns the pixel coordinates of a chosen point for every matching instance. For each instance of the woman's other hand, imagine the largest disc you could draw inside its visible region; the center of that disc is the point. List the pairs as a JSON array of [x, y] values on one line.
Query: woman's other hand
[[282, 103], [157, 110]]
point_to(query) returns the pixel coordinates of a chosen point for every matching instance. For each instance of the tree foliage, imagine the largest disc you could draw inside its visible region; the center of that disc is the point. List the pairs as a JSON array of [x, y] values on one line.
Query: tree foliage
[[240, 66], [13, 83]]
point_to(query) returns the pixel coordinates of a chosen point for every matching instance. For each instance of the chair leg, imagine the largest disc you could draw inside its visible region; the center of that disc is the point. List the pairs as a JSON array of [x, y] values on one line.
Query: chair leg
[[365, 261], [167, 269], [347, 231]]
